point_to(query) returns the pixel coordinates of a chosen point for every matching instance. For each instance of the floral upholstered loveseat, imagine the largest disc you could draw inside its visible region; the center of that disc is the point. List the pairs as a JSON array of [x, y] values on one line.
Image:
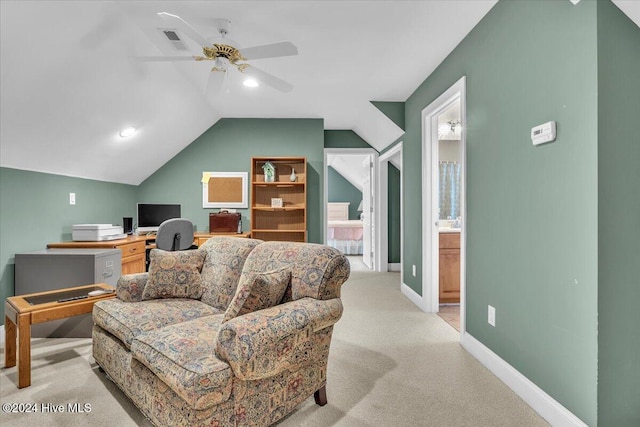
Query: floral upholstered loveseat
[[242, 347]]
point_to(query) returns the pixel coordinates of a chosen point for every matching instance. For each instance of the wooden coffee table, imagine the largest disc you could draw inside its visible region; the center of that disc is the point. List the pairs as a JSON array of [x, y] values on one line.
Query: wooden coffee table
[[22, 311]]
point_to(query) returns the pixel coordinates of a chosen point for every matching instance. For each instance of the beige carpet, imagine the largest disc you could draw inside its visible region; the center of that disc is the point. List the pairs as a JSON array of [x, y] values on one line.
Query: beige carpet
[[390, 365]]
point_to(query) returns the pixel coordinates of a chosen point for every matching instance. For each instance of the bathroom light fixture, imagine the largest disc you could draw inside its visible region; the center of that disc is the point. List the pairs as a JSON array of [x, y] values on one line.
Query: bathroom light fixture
[[450, 130], [453, 124], [250, 82], [127, 132]]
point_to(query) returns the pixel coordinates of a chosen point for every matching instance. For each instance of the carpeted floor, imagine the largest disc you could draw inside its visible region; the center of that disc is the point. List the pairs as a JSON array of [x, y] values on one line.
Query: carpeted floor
[[390, 365]]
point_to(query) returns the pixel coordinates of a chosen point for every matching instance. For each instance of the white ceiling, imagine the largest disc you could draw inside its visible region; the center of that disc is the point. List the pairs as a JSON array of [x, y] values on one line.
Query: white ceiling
[[68, 83], [350, 166]]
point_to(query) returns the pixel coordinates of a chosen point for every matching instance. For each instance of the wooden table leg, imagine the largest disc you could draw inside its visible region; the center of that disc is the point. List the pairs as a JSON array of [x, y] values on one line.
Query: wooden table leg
[[10, 342], [24, 350]]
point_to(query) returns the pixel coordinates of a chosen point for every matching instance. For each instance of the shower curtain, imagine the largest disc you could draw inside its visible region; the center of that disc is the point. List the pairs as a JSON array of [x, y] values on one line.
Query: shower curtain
[[449, 190]]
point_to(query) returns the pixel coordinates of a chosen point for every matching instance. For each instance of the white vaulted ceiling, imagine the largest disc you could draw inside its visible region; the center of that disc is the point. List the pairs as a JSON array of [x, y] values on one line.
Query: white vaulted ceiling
[[68, 83]]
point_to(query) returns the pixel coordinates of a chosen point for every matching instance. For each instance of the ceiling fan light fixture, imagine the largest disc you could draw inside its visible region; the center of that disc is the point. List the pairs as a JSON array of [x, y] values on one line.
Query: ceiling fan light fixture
[[127, 132], [249, 82]]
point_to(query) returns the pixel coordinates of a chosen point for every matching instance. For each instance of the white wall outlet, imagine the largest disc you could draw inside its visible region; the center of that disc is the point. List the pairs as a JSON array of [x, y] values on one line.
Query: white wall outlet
[[413, 270], [492, 316], [72, 198]]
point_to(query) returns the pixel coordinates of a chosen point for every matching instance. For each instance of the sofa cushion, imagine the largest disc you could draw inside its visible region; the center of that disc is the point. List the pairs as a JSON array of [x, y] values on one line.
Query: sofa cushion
[[258, 291], [222, 268], [174, 275], [127, 320], [317, 271], [183, 357]]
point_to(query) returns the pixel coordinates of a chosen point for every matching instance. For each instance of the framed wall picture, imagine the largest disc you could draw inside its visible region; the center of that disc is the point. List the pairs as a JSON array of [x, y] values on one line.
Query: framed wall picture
[[225, 190]]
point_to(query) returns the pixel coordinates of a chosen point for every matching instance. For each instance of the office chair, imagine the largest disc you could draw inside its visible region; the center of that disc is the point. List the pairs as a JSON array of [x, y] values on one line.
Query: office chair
[[175, 235]]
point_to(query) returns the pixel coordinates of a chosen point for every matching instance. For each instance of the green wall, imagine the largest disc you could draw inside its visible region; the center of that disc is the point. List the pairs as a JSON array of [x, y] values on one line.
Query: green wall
[[35, 210], [341, 190], [343, 139], [393, 202], [618, 218], [532, 242], [228, 147]]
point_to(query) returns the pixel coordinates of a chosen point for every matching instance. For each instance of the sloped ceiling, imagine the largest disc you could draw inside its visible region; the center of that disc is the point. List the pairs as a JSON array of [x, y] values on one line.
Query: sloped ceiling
[[68, 83], [350, 166]]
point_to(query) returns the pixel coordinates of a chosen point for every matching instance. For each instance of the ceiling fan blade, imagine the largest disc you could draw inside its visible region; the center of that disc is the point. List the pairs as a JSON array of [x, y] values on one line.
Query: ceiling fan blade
[[269, 50], [266, 78], [183, 26], [163, 58], [215, 84]]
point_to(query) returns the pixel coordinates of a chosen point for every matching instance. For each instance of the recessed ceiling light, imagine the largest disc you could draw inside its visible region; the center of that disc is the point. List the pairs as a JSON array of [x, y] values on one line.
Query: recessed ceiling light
[[250, 83], [127, 132]]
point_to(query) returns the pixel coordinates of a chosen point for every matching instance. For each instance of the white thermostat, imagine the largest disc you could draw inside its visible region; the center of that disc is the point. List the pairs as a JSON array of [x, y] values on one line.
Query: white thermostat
[[545, 132]]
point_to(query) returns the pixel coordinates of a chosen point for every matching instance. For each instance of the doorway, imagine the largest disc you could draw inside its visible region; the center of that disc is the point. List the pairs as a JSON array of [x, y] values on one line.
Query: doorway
[[390, 164], [443, 218], [351, 203]]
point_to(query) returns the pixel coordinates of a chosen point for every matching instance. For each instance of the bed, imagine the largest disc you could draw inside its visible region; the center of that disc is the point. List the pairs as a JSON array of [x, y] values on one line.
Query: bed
[[342, 233]]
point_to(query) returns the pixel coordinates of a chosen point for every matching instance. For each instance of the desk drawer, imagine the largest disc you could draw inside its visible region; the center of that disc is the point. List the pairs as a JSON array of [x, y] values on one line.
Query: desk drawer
[[132, 249]]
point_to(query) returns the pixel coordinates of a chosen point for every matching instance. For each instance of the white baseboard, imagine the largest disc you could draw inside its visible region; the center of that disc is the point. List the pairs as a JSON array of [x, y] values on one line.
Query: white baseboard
[[394, 266], [413, 296], [547, 407]]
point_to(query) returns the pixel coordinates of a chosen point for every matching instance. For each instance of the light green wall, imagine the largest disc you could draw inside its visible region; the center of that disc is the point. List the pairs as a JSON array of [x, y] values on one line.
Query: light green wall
[[228, 147], [393, 203], [531, 211], [341, 190], [618, 218], [343, 139], [35, 210]]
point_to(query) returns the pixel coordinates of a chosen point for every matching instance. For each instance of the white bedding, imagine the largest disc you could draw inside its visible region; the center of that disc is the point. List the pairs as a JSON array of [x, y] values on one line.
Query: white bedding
[[342, 233]]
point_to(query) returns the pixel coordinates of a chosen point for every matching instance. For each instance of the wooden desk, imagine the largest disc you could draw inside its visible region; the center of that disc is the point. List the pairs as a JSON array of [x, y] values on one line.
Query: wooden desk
[[200, 238], [20, 314], [133, 247]]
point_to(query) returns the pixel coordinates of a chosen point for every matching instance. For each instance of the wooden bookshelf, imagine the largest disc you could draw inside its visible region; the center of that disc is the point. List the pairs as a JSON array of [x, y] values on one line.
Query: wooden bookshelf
[[282, 223]]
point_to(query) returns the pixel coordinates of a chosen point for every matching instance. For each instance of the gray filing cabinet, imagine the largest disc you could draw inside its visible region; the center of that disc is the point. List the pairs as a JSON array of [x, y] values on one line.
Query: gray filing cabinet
[[51, 269]]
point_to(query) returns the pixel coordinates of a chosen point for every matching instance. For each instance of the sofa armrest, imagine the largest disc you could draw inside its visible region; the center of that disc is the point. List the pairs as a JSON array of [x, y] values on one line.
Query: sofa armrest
[[265, 342], [130, 286]]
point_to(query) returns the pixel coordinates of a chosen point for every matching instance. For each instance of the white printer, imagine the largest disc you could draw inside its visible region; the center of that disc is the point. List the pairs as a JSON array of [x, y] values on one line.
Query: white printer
[[96, 232]]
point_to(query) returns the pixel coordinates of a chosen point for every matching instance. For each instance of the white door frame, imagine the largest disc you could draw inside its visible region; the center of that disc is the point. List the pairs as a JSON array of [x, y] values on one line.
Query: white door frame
[[394, 153], [376, 198], [430, 202], [369, 189]]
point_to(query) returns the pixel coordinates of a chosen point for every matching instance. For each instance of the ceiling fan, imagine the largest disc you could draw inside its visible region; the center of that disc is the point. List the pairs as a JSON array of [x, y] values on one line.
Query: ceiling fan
[[225, 52]]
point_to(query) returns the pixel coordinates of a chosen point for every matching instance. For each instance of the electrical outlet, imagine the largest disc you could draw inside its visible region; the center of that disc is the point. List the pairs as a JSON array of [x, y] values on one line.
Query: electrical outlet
[[413, 270], [492, 316], [72, 198]]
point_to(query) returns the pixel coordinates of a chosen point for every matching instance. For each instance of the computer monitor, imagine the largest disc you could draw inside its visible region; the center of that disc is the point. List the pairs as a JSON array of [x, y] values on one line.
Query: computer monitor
[[150, 216]]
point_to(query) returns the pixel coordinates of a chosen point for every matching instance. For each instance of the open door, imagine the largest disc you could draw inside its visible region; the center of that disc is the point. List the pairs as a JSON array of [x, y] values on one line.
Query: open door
[[358, 166], [368, 218], [432, 225]]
